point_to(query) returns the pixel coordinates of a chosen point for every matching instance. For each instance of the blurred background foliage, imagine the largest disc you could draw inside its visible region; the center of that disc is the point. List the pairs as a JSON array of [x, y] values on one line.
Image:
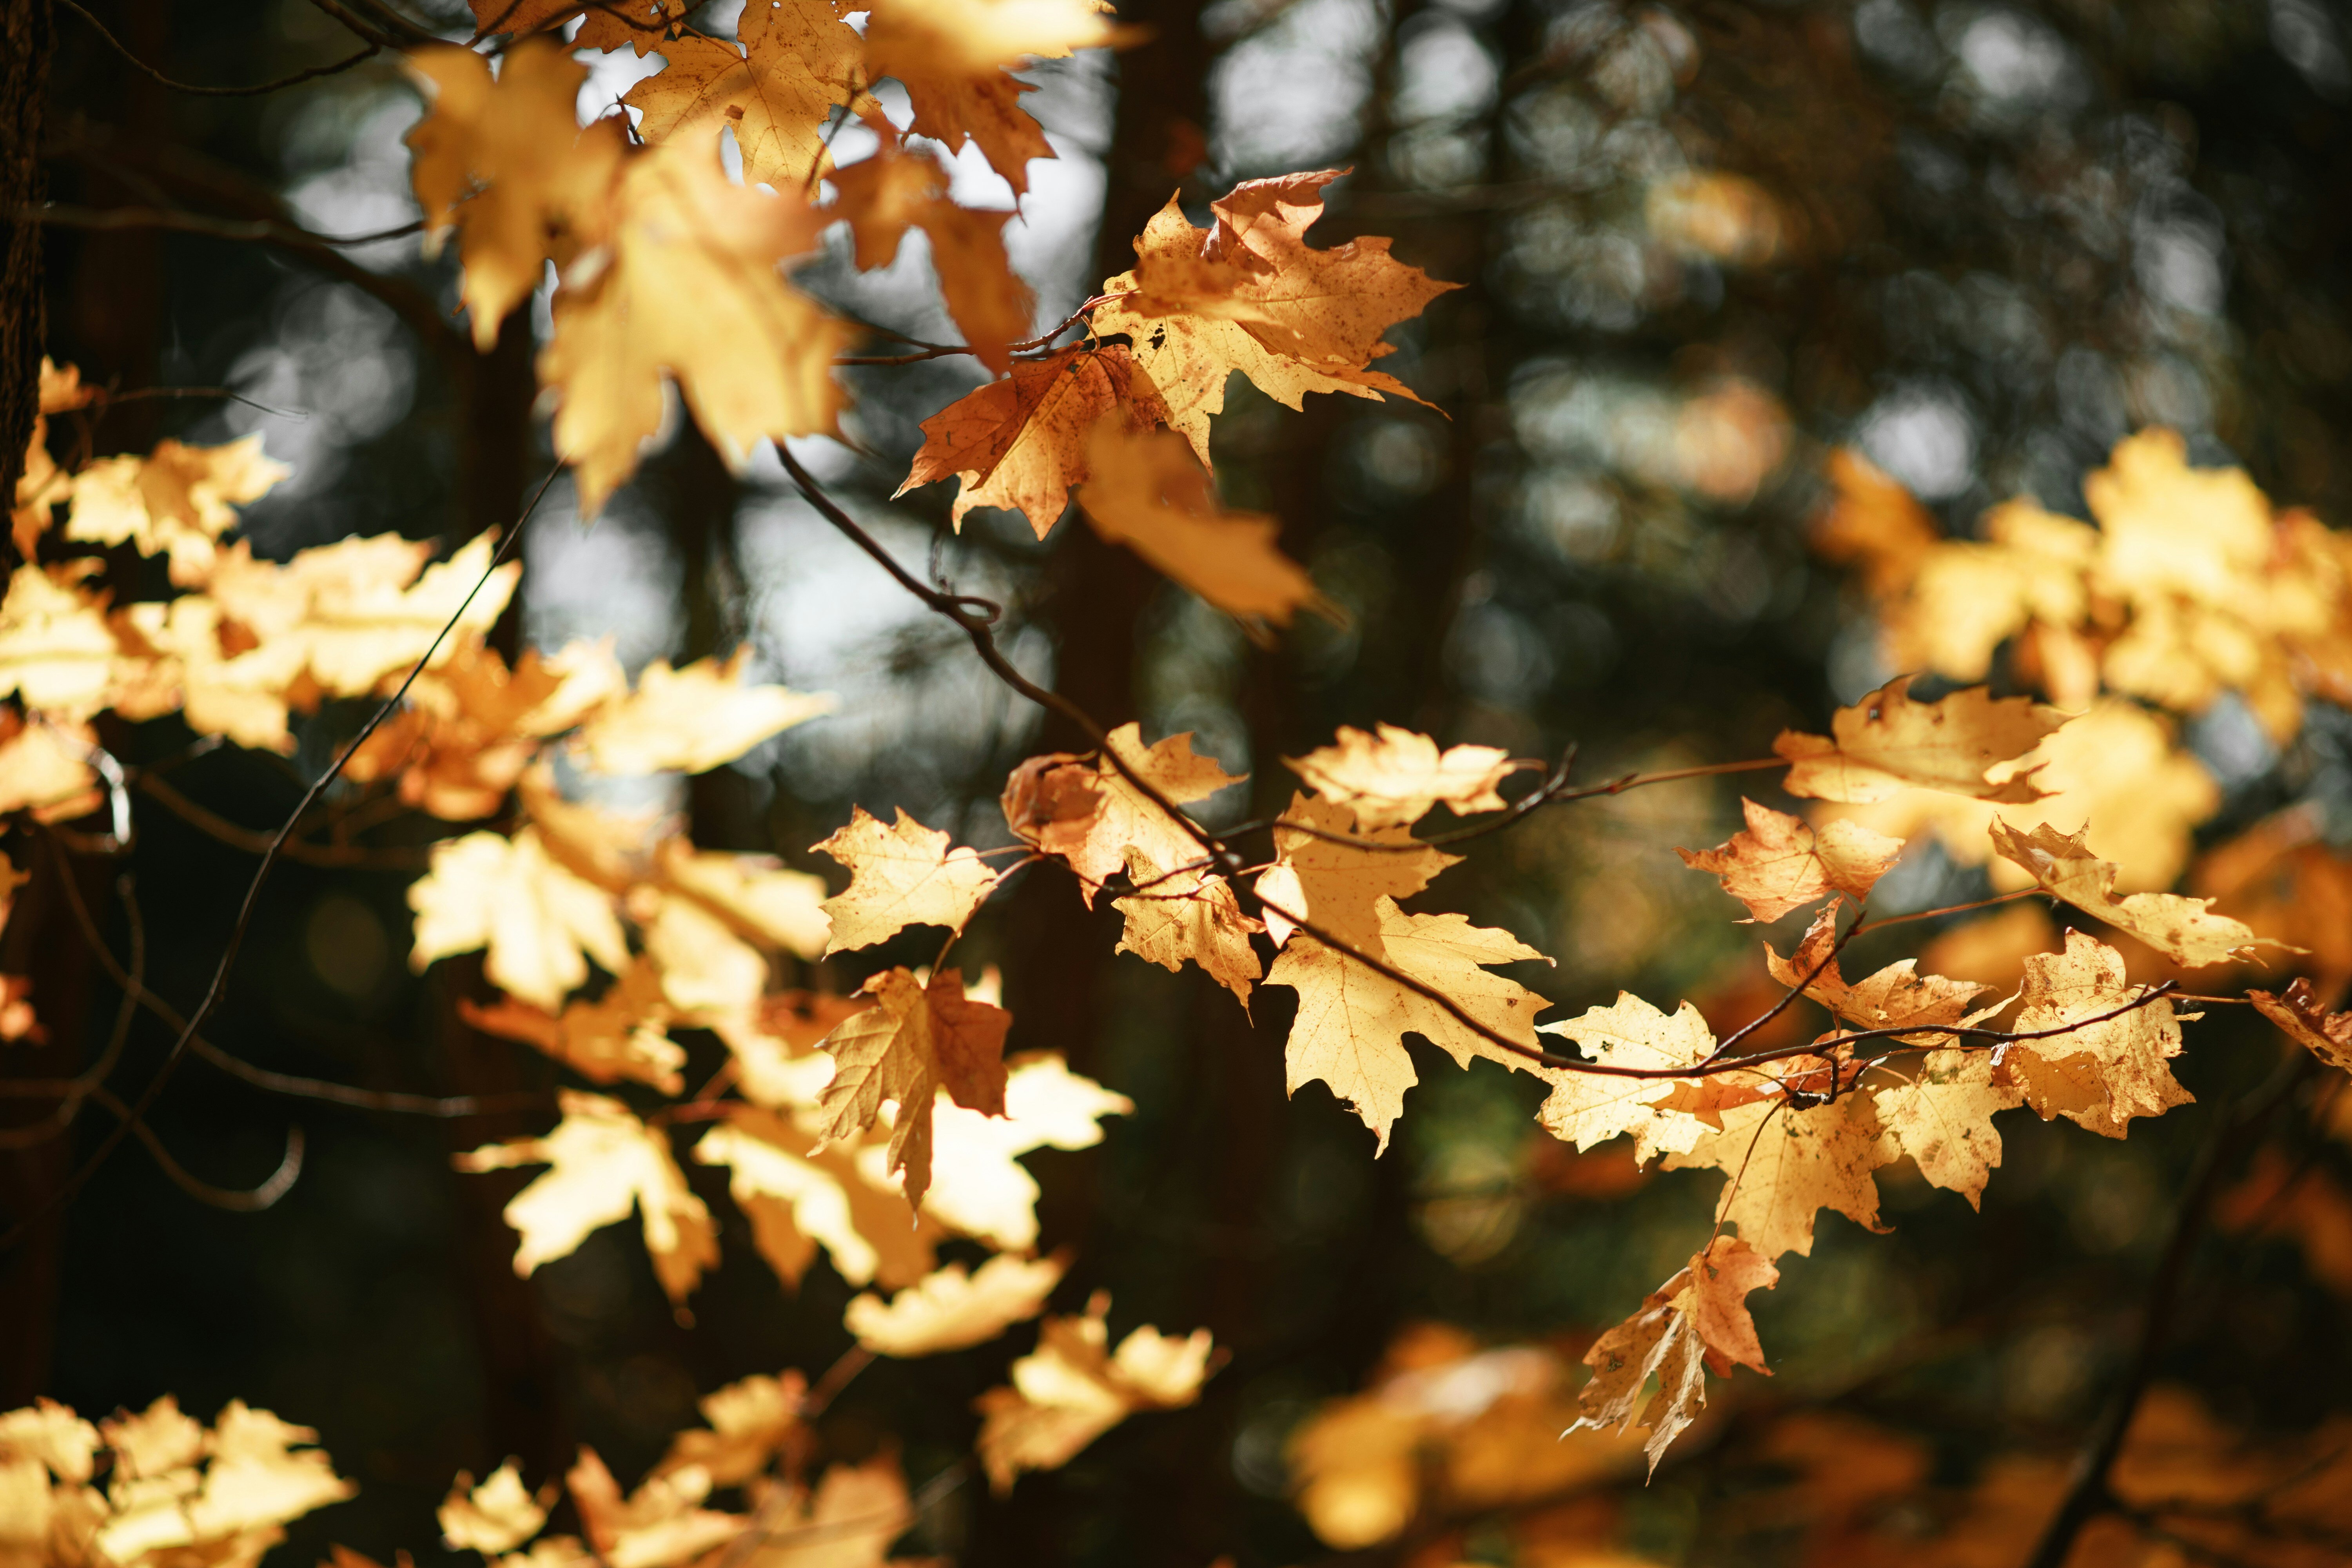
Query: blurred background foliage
[[1700, 247]]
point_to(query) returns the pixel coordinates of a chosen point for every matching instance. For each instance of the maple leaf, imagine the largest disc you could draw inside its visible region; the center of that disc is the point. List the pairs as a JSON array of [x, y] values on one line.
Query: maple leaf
[[1188, 915], [505, 163], [660, 1525], [1352, 1019], [706, 970], [981, 1189], [605, 1161], [756, 895], [58, 654], [256, 1474], [1149, 493], [177, 500], [885, 195], [1943, 1116], [692, 720], [749, 1419], [914, 1041], [952, 1311], [47, 767], [1585, 1109], [1339, 886], [1888, 740], [1894, 997], [1072, 1389], [2183, 929], [540, 922], [617, 1035], [1021, 443], [849, 1521], [797, 1201], [2097, 1075], [950, 54], [2300, 1015], [640, 25], [794, 63], [496, 1516], [1392, 778], [777, 1064], [1091, 815], [1696, 1319], [1784, 1163], [1778, 863], [900, 874], [686, 286], [1248, 294], [473, 726]]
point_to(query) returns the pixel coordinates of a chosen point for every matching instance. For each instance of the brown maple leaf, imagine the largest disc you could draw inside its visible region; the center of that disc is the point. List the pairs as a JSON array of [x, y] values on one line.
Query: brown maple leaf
[[885, 195], [1148, 492], [2182, 929], [1695, 1319], [1021, 443], [915, 1040], [2308, 1022], [1249, 294], [1089, 815]]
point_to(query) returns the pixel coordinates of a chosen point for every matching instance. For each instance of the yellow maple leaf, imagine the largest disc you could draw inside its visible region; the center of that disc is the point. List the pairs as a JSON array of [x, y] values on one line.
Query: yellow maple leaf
[[793, 64], [1021, 443], [749, 1419], [847, 1521], [1894, 997], [2098, 1075], [1090, 815], [692, 720], [886, 195], [1339, 886], [1352, 1019], [617, 1035], [604, 1163], [496, 1516], [57, 655], [1942, 1117], [177, 500], [504, 160], [1249, 294], [1585, 1109], [755, 894], [1887, 741], [798, 1198], [47, 767], [471, 727], [1148, 492], [1190, 915], [981, 1187], [2185, 930], [1696, 1319], [951, 54], [706, 970], [950, 1310], [1073, 1388], [686, 287], [540, 922], [1392, 776], [916, 1039], [1783, 1164], [256, 1475], [1778, 863], [900, 874]]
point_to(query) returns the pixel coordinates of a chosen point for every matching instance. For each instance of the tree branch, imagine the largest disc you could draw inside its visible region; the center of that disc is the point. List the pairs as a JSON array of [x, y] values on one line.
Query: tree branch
[[148, 71]]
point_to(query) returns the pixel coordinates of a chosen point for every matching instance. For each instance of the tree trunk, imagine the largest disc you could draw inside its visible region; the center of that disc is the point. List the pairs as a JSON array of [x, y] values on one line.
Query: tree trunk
[[24, 40]]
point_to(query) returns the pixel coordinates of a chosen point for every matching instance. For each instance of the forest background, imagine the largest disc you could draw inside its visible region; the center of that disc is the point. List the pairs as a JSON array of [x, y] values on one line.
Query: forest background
[[1705, 256]]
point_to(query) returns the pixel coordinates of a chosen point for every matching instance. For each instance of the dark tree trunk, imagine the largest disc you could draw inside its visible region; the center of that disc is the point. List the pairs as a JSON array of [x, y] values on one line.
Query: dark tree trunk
[[25, 40]]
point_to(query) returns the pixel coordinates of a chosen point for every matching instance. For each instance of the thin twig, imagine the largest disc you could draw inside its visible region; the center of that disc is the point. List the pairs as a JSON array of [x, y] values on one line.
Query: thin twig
[[218, 988], [123, 49], [256, 841], [59, 214]]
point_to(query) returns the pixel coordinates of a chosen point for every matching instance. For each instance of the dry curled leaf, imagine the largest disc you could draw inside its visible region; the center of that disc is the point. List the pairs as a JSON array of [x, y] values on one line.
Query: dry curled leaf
[[1091, 814], [900, 874], [1696, 1319], [952, 1311], [2305, 1021], [1778, 863], [1391, 777], [2182, 929], [1963, 743]]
